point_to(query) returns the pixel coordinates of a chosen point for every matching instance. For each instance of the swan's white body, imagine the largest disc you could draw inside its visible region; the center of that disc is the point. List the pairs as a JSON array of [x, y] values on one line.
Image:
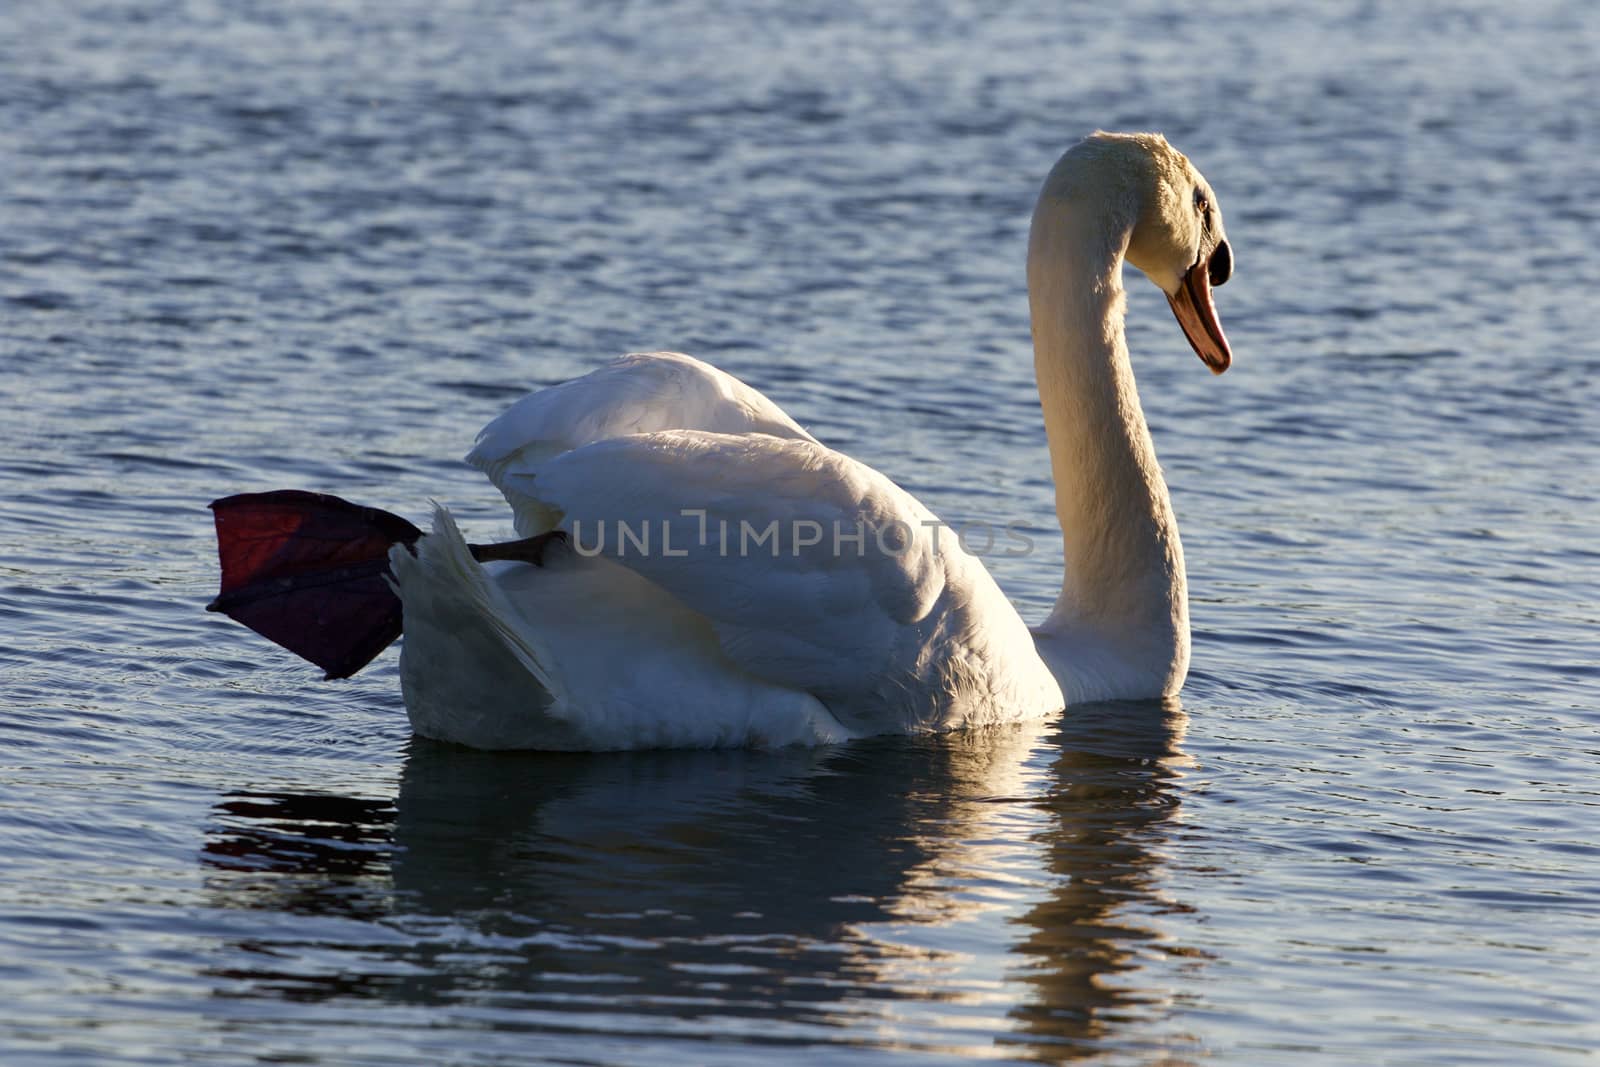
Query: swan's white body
[[729, 580]]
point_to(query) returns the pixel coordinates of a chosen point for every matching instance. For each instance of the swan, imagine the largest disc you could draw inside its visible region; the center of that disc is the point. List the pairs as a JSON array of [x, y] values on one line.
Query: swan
[[698, 570]]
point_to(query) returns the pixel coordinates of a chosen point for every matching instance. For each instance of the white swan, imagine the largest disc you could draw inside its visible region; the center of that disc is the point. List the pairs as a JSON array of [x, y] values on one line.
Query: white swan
[[725, 579]]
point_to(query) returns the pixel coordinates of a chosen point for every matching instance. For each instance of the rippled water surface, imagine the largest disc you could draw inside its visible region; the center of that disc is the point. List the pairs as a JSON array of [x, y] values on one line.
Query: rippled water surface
[[251, 245]]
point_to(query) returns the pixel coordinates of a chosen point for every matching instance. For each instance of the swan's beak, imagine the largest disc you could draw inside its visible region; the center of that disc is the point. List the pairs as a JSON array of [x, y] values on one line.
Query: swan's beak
[[1197, 312]]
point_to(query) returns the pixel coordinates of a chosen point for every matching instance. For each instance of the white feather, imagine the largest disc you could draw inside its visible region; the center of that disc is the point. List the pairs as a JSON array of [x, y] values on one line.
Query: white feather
[[580, 654], [637, 393]]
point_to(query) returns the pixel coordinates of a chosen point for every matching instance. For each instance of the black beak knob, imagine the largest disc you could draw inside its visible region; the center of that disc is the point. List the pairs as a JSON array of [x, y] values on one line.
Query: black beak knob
[[1221, 265]]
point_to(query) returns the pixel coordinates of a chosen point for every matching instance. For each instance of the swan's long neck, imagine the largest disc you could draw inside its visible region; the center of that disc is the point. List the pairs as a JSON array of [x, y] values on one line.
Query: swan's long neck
[[1120, 627]]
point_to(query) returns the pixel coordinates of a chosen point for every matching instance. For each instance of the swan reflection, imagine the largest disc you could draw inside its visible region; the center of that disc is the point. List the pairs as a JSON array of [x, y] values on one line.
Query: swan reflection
[[868, 893], [1112, 799]]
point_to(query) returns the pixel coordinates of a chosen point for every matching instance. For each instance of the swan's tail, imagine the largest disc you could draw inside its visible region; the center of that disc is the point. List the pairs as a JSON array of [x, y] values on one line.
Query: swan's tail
[[473, 671]]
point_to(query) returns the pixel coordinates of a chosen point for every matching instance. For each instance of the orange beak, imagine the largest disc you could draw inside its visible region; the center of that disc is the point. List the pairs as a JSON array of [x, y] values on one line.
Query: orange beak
[[1197, 313]]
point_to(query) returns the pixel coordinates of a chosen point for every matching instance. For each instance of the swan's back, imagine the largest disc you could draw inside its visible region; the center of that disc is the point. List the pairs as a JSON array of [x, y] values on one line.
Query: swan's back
[[642, 392]]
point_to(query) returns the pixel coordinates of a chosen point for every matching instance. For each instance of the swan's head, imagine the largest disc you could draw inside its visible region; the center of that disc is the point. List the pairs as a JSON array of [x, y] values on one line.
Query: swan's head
[[1175, 236]]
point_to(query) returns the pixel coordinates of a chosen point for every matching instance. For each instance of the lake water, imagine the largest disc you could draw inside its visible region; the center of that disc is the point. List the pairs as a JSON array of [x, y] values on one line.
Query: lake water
[[248, 245]]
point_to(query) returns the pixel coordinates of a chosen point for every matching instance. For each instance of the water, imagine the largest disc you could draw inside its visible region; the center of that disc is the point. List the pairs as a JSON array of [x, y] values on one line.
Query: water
[[251, 245]]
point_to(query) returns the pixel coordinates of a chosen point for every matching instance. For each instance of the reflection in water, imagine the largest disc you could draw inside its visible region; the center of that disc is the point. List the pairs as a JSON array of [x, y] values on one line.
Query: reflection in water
[[1110, 800], [305, 854], [762, 896]]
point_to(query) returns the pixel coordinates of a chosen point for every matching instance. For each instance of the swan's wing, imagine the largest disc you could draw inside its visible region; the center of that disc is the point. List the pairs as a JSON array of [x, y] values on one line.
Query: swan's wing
[[816, 571], [638, 393]]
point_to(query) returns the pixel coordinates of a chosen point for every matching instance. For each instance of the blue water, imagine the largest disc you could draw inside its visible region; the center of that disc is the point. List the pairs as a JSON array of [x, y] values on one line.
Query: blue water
[[256, 245]]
